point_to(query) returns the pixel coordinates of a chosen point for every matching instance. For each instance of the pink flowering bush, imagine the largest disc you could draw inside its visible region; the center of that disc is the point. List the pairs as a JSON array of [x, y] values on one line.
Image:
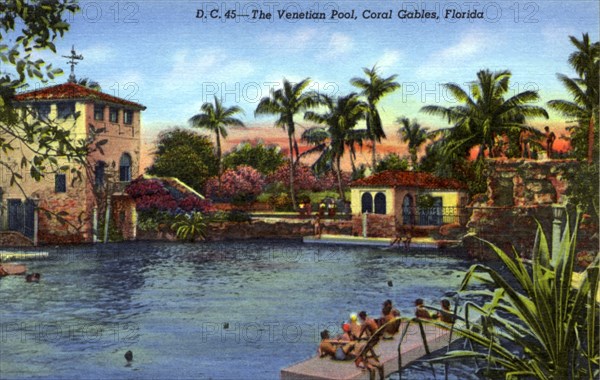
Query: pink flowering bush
[[243, 184], [193, 203], [154, 195], [305, 179], [150, 194], [329, 181]]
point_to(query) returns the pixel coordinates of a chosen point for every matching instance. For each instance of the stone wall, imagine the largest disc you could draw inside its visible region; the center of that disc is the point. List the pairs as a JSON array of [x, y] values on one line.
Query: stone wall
[[14, 239], [519, 194], [527, 182], [259, 229], [124, 215], [377, 225], [71, 205]]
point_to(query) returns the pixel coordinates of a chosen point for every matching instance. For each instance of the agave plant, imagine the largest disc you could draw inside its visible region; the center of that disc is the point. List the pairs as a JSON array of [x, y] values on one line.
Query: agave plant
[[190, 226], [542, 324]]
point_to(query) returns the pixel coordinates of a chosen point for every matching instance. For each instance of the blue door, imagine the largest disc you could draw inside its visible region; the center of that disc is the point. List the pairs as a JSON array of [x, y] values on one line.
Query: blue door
[[15, 215]]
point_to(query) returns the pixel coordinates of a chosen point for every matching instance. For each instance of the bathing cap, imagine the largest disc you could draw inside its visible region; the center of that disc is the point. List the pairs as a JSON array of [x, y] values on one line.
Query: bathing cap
[[346, 327], [353, 317]]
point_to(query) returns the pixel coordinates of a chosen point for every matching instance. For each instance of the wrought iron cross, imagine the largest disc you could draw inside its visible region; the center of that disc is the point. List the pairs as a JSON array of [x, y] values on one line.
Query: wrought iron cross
[[72, 61]]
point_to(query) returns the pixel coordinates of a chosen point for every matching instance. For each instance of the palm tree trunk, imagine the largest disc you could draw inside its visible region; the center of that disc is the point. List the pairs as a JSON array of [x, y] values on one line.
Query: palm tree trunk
[[219, 168], [352, 155], [481, 153], [296, 149], [413, 157], [374, 154], [339, 177], [292, 193], [590, 152]]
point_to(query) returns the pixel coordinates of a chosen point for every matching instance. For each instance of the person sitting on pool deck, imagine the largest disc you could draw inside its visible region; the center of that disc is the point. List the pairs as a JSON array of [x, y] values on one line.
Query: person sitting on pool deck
[[446, 314], [369, 326], [337, 349], [354, 326], [346, 335], [388, 312], [420, 311]]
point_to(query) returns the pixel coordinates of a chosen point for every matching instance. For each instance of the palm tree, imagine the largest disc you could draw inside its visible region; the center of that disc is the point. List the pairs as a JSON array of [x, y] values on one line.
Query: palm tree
[[287, 102], [485, 113], [355, 138], [374, 87], [584, 90], [414, 134], [341, 117], [89, 83], [216, 118]]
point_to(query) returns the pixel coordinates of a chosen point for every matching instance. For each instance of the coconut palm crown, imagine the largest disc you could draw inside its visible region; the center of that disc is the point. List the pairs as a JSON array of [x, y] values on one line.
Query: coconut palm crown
[[583, 90], [485, 111], [414, 134], [286, 102], [216, 118], [375, 87], [341, 116]]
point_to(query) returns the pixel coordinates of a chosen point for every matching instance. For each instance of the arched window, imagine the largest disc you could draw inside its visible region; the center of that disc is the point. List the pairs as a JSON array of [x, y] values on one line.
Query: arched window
[[99, 172], [408, 215], [380, 203], [367, 203], [125, 168]]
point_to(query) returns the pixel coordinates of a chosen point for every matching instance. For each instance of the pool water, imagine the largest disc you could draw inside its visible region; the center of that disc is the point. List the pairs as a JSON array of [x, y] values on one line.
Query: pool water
[[219, 310]]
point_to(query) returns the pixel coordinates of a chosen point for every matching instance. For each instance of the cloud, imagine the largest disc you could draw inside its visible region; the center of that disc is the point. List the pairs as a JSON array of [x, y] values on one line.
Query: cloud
[[339, 45], [99, 53], [192, 69], [389, 58], [195, 77], [468, 46], [297, 40]]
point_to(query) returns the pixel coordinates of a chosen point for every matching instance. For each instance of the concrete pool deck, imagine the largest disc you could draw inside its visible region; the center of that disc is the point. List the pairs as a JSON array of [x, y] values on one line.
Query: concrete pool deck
[[419, 242], [412, 349]]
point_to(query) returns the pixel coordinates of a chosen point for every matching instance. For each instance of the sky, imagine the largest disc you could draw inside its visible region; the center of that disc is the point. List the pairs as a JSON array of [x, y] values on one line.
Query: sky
[[160, 54]]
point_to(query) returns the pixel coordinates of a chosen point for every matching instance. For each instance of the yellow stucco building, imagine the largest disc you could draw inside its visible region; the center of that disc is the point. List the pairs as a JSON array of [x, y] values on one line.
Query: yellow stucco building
[[414, 198]]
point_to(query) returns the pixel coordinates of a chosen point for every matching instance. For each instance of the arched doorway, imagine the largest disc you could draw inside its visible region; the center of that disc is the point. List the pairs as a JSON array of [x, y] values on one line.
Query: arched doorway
[[366, 203], [380, 204], [408, 212], [99, 173]]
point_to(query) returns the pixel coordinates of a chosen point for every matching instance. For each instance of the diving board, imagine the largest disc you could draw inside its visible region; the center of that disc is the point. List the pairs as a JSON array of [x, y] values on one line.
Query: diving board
[[22, 255], [412, 349]]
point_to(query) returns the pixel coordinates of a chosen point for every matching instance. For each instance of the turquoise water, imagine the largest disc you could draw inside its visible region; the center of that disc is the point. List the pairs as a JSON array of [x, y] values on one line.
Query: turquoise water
[[235, 310]]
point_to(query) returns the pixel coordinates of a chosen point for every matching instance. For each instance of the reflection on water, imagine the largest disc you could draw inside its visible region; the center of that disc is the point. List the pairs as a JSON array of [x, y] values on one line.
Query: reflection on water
[[240, 310]]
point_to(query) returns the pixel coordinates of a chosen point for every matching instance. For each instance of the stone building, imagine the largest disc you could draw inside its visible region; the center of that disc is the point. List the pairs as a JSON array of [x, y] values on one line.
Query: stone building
[[394, 197], [77, 109]]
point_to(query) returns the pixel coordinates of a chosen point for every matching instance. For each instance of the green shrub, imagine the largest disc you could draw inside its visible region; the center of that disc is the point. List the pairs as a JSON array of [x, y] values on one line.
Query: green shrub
[[281, 202], [552, 322], [190, 226]]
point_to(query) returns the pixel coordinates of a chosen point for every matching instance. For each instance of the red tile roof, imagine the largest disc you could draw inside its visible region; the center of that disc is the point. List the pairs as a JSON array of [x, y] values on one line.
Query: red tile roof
[[397, 178], [73, 91]]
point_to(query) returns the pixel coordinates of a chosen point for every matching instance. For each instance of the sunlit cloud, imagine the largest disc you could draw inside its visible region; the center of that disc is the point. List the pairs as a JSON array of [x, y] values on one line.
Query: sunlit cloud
[[297, 40], [339, 45], [440, 62], [389, 59]]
